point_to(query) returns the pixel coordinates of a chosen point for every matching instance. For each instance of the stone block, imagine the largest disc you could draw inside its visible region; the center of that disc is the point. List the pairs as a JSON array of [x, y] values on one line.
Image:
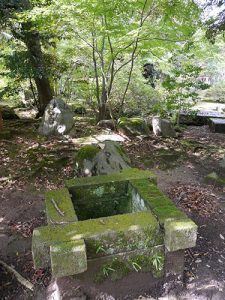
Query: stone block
[[149, 193], [163, 127], [217, 125], [199, 118], [104, 236], [174, 263], [133, 126], [124, 175], [169, 212], [40, 251], [57, 118], [180, 234], [149, 196], [59, 207], [68, 258]]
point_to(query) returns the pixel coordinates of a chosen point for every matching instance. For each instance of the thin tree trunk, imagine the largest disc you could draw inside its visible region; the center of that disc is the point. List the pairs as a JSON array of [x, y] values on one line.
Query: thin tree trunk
[[102, 105], [100, 112], [33, 92]]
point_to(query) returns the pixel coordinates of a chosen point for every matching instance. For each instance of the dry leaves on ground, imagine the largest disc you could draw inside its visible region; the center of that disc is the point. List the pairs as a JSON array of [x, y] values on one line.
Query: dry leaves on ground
[[194, 199], [26, 228]]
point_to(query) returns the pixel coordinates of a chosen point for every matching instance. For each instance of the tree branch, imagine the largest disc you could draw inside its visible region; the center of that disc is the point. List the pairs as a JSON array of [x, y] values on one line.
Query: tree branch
[[20, 278], [142, 20]]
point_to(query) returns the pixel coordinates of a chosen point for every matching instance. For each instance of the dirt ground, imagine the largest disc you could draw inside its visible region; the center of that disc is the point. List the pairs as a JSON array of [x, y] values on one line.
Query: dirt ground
[[30, 164]]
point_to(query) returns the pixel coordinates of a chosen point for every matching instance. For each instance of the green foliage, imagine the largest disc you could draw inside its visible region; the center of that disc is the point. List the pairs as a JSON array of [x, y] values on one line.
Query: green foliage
[[106, 270], [100, 249], [140, 96], [181, 84], [119, 268], [98, 41], [136, 266], [19, 65], [95, 51], [157, 262], [216, 93]]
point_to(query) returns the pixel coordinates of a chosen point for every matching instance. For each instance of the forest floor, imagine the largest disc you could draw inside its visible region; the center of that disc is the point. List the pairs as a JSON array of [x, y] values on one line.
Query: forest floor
[[31, 164]]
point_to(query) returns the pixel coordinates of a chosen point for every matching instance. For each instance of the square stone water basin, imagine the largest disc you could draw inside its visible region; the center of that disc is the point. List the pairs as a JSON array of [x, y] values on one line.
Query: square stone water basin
[[115, 220]]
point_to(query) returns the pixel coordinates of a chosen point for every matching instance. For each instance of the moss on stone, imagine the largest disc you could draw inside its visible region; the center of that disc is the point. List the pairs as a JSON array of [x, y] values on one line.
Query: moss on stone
[[169, 212], [131, 121], [124, 242], [124, 175], [68, 258], [180, 234], [155, 200], [150, 193], [115, 234], [59, 199], [159, 201], [87, 152], [133, 125]]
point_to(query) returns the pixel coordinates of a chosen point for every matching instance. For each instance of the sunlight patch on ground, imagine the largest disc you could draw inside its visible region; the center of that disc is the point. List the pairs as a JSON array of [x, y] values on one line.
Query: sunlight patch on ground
[[98, 138]]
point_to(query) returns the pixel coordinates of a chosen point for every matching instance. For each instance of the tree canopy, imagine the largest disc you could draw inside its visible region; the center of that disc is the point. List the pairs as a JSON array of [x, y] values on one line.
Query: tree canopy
[[93, 50]]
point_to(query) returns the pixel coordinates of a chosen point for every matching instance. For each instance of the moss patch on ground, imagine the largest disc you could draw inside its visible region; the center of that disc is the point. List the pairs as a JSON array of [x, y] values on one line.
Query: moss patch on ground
[[215, 178], [164, 159]]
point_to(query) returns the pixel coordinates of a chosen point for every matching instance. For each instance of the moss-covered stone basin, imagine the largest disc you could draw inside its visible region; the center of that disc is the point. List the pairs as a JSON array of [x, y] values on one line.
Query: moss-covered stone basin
[[123, 219]]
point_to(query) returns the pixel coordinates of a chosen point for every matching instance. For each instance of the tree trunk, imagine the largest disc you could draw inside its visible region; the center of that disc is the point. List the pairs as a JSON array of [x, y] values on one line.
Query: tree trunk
[[31, 38], [32, 41], [102, 109], [44, 93]]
